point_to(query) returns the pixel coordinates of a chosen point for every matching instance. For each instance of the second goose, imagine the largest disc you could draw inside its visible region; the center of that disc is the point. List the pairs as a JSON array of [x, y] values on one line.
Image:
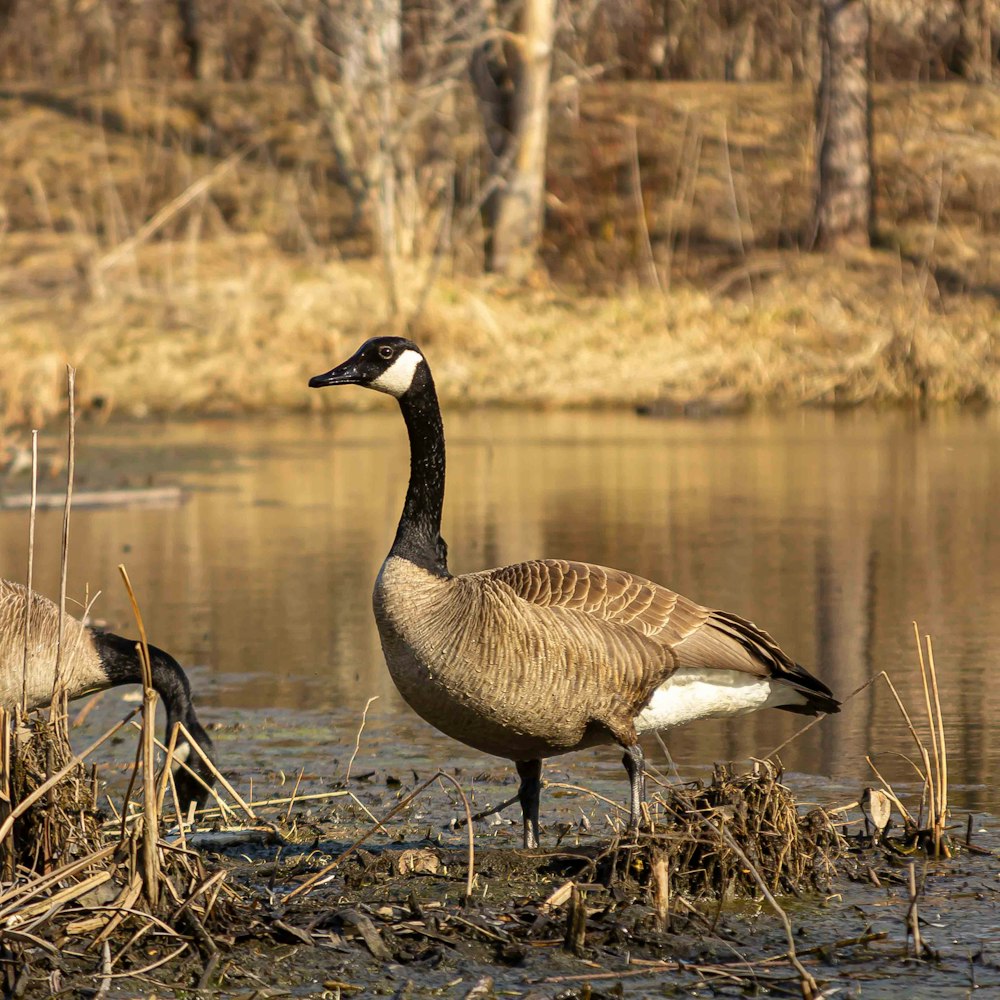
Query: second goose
[[94, 661], [540, 658]]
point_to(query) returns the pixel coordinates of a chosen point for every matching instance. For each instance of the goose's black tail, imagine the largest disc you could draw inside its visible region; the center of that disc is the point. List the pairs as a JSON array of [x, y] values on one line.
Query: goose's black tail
[[819, 699]]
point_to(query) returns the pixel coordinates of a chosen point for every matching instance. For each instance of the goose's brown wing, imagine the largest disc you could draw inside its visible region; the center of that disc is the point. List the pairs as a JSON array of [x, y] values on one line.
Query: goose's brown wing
[[608, 594], [696, 636]]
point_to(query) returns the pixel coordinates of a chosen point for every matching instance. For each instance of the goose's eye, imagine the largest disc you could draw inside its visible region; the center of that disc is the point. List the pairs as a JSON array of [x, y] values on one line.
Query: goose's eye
[[385, 352]]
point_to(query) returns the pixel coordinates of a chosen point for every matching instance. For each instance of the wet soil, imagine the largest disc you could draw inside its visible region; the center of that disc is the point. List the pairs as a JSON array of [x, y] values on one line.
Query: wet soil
[[393, 918]]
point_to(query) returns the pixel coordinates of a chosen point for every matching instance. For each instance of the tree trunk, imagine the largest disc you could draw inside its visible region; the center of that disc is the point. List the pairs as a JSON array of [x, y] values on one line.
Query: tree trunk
[[301, 30], [384, 36], [187, 11], [514, 100], [844, 207], [7, 10], [973, 55]]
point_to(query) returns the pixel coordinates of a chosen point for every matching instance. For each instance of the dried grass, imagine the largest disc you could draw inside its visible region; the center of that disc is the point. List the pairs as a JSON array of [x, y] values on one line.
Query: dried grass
[[232, 312], [64, 824], [244, 335], [706, 840]]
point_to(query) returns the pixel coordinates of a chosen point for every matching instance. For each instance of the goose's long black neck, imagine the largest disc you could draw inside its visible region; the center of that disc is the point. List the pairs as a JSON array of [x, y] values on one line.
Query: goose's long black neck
[[121, 663], [418, 536]]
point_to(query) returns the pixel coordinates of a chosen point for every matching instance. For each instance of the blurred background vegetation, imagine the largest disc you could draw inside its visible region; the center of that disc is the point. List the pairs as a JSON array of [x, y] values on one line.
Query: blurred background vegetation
[[204, 201]]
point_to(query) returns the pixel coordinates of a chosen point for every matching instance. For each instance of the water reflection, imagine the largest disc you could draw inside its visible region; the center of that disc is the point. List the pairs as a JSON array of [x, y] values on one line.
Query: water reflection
[[834, 532]]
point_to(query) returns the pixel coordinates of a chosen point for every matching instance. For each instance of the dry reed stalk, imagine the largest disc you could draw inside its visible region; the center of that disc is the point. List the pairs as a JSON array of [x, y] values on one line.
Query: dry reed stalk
[[202, 888], [661, 891], [881, 675], [8, 852], [168, 761], [176, 205], [26, 911], [126, 819], [936, 780], [365, 810], [126, 900], [43, 882], [942, 815], [489, 811], [217, 774], [576, 921], [929, 791], [31, 570], [223, 807], [151, 824], [581, 788], [138, 935], [104, 984], [282, 800], [146, 969], [912, 916], [640, 206], [64, 544], [468, 815], [88, 706], [168, 776], [357, 739], [737, 219], [291, 801], [807, 983], [930, 713]]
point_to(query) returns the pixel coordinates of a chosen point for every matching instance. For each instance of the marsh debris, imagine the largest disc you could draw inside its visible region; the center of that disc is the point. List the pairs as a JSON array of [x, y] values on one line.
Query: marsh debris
[[593, 918], [61, 824], [686, 848], [71, 881]]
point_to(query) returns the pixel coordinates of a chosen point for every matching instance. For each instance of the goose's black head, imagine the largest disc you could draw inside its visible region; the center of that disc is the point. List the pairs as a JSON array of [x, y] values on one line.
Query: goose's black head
[[188, 788], [392, 365]]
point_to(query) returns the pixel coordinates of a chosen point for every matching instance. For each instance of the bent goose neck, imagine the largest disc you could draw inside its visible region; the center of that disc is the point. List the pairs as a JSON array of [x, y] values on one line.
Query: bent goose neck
[[121, 663], [418, 536]]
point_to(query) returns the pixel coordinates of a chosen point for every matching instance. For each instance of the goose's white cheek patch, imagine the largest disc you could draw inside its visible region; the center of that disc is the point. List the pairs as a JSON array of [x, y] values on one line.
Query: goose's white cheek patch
[[398, 377]]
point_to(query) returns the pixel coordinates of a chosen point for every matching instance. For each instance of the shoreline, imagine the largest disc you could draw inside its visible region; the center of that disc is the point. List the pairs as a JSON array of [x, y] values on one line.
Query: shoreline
[[241, 334]]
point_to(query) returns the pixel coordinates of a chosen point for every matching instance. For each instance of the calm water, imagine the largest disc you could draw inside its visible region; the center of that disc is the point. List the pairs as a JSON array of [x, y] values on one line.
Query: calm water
[[834, 532]]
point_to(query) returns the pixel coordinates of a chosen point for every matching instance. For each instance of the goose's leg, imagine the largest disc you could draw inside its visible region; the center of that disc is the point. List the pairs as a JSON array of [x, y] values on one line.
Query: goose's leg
[[530, 773], [634, 765]]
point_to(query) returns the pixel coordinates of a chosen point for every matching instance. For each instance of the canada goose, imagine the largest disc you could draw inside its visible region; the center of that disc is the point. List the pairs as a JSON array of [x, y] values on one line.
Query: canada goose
[[544, 657], [93, 661]]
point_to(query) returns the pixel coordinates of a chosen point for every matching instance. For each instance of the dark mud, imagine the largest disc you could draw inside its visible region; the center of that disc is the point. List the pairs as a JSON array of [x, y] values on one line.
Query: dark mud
[[392, 918]]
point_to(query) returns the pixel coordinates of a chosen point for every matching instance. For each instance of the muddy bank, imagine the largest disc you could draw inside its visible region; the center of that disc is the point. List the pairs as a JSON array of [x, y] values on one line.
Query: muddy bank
[[383, 931], [704, 298], [579, 918]]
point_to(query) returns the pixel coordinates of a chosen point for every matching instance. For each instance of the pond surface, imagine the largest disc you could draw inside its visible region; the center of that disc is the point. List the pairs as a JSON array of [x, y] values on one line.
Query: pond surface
[[832, 531]]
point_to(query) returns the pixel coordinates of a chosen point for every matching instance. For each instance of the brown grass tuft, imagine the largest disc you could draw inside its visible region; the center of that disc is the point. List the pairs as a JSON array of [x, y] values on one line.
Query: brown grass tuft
[[688, 848], [64, 824]]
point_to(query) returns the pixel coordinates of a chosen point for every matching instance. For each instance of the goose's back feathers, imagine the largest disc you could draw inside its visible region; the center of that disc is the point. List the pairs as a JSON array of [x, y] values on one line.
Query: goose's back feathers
[[80, 667], [697, 637]]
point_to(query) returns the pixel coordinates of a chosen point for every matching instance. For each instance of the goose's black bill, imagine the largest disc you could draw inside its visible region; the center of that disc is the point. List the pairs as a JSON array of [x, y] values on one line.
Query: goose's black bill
[[346, 374]]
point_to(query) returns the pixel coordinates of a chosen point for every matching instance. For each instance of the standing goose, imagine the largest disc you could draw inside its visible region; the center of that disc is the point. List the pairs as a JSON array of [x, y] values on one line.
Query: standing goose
[[93, 661], [544, 657]]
